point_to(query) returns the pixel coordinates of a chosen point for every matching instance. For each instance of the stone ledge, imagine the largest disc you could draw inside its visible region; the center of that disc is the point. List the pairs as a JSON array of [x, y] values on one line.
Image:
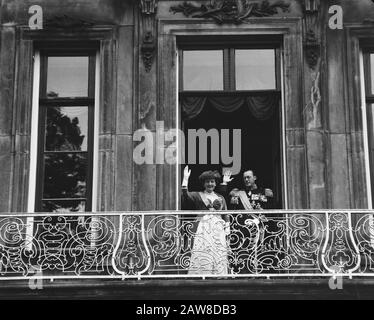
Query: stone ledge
[[189, 289]]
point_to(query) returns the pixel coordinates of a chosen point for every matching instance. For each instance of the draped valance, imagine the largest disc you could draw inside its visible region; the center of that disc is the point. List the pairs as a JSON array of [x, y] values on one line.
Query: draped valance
[[261, 107]]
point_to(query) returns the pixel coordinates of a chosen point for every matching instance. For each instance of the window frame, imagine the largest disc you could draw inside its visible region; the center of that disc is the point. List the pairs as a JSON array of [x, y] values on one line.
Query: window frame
[[66, 49], [232, 43], [367, 51], [369, 91], [228, 45]]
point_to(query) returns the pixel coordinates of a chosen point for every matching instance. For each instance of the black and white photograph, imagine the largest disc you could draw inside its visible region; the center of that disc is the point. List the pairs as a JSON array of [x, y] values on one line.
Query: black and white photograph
[[201, 152]]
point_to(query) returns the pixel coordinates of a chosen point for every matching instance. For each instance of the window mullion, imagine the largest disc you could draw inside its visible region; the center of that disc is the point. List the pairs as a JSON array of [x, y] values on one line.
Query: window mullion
[[91, 76], [278, 59], [43, 76], [67, 102], [40, 157], [90, 155], [226, 70], [370, 140], [180, 66], [232, 70], [367, 66]]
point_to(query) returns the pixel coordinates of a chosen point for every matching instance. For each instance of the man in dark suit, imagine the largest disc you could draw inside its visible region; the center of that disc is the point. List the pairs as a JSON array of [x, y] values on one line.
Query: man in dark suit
[[245, 227], [251, 197]]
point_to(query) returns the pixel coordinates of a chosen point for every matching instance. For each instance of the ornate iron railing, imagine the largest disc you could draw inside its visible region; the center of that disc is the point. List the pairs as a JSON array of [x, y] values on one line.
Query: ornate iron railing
[[187, 245]]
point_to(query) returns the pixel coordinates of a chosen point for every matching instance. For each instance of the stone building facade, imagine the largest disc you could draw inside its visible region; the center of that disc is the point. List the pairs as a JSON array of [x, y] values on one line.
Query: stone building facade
[[325, 136]]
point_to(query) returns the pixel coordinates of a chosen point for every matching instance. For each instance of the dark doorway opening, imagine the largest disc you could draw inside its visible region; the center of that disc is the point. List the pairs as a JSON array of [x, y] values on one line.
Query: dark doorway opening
[[260, 147]]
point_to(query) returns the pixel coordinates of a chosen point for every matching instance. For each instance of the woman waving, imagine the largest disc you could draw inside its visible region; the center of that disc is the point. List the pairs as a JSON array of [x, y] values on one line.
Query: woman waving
[[209, 254]]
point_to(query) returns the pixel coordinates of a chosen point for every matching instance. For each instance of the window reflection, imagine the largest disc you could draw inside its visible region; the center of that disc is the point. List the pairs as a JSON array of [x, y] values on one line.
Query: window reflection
[[66, 129], [203, 70], [65, 175], [67, 77], [63, 206], [255, 69]]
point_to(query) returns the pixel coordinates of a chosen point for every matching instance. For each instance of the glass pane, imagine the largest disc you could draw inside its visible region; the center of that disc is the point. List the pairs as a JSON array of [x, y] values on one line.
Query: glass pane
[[255, 69], [66, 129], [67, 77], [63, 206], [372, 72], [65, 175], [203, 70]]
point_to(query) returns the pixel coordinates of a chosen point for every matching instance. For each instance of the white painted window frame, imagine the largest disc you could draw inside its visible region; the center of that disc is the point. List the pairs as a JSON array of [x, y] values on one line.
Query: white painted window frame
[[35, 138], [365, 132]]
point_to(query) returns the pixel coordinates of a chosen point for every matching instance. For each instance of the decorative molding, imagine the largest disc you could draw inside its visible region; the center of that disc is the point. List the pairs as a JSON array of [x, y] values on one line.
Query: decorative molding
[[148, 47], [148, 50], [312, 5], [230, 11], [312, 49], [312, 32], [65, 21], [148, 7]]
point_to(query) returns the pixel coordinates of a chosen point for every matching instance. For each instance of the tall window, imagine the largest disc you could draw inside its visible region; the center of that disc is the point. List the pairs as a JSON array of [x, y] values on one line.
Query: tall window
[[235, 84], [66, 131], [369, 92]]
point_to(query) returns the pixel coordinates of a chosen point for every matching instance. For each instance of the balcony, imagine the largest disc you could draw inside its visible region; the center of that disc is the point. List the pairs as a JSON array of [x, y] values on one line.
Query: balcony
[[183, 245]]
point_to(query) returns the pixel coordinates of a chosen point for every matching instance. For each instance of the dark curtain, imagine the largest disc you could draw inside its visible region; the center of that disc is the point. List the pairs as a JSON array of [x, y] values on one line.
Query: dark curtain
[[261, 107]]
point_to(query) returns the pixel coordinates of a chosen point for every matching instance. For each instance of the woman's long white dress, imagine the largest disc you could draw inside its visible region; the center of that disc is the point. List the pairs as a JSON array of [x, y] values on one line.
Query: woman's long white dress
[[209, 254]]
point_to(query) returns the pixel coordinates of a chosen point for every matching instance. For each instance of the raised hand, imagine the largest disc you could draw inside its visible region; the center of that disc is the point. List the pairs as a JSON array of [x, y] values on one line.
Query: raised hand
[[186, 173], [186, 176], [269, 193], [227, 177]]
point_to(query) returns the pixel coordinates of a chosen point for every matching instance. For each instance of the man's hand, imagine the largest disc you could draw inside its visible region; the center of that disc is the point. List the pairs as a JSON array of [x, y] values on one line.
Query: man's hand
[[227, 177], [234, 200], [269, 193]]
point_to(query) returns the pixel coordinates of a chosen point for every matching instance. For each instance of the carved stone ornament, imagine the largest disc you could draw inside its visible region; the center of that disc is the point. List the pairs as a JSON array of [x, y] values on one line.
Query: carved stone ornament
[[231, 11], [312, 49], [312, 43], [148, 51], [148, 7], [65, 21], [312, 5]]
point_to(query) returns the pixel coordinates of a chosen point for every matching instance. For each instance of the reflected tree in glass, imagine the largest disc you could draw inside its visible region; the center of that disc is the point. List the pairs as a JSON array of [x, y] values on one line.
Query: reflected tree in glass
[[65, 160], [63, 133]]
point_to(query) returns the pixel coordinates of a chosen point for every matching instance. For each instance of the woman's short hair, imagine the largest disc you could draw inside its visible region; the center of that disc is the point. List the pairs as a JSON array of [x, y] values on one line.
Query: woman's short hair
[[209, 175]]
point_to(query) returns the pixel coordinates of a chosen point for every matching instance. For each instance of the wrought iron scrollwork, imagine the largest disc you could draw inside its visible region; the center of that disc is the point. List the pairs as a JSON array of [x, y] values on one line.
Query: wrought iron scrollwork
[[56, 245], [131, 256], [340, 253], [187, 244]]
